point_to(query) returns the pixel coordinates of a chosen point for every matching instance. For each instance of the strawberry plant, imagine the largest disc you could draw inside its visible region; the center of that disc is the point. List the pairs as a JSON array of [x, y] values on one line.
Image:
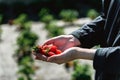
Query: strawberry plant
[[25, 42], [92, 14], [45, 16], [50, 23], [69, 15], [54, 29], [20, 21], [81, 72]]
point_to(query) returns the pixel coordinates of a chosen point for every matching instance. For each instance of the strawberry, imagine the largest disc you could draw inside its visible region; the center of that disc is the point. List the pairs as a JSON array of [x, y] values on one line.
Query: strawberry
[[43, 51], [47, 50], [45, 47], [51, 53], [53, 48], [58, 51]]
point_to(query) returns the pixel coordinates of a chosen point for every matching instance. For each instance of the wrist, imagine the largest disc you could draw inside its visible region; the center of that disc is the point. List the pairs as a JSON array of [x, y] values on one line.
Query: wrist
[[75, 40], [83, 53]]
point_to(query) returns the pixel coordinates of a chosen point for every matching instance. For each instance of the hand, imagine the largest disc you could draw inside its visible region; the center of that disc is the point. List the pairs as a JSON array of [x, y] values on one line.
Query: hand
[[72, 54], [63, 42], [39, 56], [68, 55]]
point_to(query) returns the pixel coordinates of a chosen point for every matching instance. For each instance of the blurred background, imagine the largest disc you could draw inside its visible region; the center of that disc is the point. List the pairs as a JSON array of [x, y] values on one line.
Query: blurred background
[[26, 23]]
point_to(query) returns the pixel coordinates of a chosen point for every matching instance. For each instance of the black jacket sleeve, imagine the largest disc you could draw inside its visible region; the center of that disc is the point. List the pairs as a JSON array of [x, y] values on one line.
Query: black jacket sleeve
[[107, 60], [93, 33]]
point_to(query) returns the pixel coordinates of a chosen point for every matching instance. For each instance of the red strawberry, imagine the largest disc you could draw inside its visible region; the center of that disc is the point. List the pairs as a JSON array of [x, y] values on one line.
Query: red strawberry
[[43, 51], [53, 48], [58, 51], [51, 53], [47, 50], [45, 47]]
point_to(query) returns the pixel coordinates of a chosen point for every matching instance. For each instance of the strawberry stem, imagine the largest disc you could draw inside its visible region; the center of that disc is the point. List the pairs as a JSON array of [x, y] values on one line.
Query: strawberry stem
[[36, 49]]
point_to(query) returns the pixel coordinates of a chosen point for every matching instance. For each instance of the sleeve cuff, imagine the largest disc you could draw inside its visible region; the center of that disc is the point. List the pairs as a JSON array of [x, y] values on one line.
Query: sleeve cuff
[[99, 58]]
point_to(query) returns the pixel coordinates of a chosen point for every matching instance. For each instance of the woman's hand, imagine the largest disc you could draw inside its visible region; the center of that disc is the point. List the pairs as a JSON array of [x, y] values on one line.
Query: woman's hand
[[63, 42], [68, 55], [39, 56], [72, 54]]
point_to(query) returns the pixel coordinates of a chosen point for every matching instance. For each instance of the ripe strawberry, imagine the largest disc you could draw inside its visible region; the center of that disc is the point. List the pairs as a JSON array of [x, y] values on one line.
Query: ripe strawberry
[[45, 47], [43, 51], [47, 50], [51, 54], [53, 48], [58, 51]]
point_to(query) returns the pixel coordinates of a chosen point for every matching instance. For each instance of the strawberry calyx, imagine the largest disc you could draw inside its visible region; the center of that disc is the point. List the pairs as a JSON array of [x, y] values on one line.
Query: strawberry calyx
[[36, 49]]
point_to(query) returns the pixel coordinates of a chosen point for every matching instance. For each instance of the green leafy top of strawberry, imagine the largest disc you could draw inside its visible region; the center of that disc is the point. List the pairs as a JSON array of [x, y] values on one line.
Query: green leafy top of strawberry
[[36, 49]]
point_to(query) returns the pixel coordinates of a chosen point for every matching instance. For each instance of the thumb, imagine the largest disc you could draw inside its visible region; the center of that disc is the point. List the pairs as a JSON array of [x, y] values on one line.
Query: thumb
[[54, 58]]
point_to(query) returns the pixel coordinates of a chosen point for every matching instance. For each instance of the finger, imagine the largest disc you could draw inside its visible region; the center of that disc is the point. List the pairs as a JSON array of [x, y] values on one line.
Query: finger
[[49, 41], [55, 58], [52, 59], [41, 57]]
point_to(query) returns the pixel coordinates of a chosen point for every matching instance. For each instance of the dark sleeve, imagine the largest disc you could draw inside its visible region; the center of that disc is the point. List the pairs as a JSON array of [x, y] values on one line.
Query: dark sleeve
[[92, 34], [107, 59]]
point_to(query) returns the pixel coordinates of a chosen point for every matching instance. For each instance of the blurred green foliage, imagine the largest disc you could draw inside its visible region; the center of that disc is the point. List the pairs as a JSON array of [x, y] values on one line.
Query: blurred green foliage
[[69, 15], [26, 38], [81, 72], [53, 29], [25, 41], [43, 12], [20, 19], [45, 16], [22, 22], [92, 13]]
